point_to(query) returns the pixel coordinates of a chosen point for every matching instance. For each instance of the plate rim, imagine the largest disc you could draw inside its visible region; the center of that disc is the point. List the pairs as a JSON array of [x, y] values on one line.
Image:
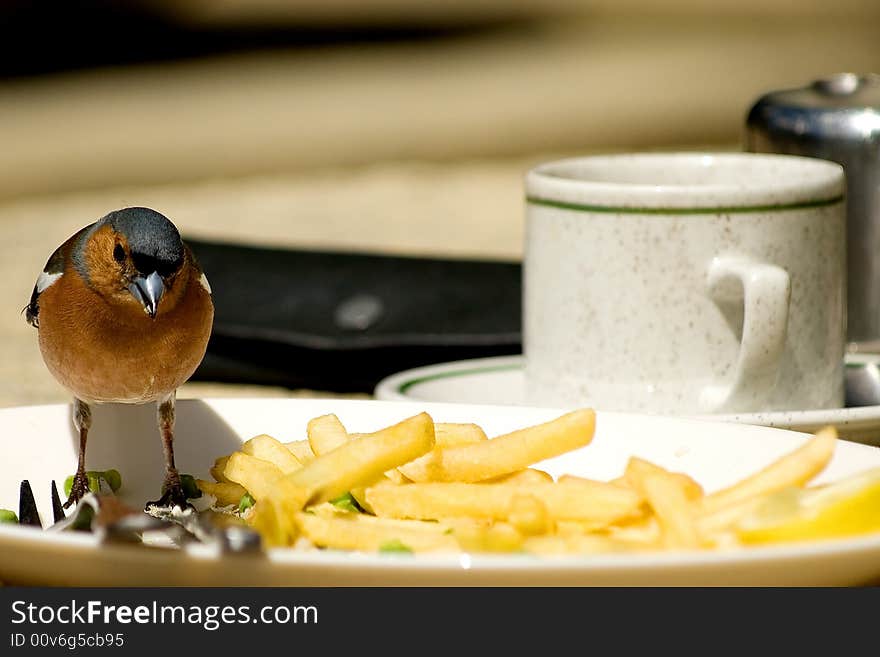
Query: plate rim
[[337, 559], [395, 386]]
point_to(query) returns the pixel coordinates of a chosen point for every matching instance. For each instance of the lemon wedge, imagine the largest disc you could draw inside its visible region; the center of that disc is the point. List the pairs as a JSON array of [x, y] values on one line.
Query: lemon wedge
[[848, 507]]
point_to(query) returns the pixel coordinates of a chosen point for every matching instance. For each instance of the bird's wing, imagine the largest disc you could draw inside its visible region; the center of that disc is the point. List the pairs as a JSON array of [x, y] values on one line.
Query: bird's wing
[[53, 270], [197, 268]]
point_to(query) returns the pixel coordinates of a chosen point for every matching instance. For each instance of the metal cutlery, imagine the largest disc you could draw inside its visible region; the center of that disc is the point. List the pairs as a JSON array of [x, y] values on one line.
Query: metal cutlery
[[113, 521]]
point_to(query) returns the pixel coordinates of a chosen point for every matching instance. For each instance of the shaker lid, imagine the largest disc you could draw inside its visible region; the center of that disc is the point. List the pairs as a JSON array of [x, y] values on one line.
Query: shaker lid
[[835, 91], [844, 105]]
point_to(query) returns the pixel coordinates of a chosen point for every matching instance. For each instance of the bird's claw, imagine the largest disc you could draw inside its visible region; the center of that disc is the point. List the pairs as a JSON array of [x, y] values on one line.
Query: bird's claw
[[172, 495], [78, 490]]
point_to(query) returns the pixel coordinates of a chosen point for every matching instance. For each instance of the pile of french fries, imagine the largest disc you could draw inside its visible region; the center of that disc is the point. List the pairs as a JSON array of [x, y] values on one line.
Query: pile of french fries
[[424, 486]]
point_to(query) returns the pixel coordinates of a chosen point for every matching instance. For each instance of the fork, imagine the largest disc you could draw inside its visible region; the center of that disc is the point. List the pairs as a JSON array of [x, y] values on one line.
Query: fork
[[114, 521]]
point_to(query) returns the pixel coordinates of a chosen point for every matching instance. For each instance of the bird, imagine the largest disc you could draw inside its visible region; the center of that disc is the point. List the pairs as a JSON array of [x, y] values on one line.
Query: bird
[[124, 313]]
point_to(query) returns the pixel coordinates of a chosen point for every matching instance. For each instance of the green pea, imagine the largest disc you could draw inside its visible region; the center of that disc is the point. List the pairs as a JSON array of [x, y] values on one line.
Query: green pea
[[346, 502], [68, 485], [8, 516], [245, 503], [395, 545]]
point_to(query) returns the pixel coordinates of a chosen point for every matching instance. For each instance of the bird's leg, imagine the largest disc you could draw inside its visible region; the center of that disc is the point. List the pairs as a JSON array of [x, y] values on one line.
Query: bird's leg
[[172, 491], [82, 420]]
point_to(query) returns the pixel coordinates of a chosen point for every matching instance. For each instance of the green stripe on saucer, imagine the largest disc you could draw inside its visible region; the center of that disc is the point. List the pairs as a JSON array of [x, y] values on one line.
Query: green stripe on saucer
[[406, 385]]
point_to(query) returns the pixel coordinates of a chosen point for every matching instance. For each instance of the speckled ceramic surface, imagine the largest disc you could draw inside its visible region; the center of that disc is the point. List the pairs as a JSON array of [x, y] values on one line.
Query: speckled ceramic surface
[[685, 283], [501, 380]]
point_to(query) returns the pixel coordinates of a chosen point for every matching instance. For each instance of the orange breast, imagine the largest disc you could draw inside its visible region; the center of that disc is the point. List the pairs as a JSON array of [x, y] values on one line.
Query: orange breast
[[101, 354]]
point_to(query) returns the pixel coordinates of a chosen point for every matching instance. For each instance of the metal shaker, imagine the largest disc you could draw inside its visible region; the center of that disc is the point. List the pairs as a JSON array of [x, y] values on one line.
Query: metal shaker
[[837, 118]]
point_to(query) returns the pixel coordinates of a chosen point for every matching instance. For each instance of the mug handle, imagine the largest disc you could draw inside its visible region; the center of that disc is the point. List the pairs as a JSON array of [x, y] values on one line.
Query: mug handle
[[766, 292]]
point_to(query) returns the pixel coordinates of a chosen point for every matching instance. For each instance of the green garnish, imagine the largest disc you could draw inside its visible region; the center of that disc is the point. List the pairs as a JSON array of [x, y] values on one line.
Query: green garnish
[[110, 477], [395, 545], [245, 503], [83, 519], [95, 481], [8, 516], [346, 502], [113, 479], [190, 488]]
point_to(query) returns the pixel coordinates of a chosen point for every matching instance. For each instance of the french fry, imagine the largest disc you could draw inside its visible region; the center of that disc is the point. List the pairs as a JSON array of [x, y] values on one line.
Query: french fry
[[793, 469], [450, 434], [594, 502], [573, 527], [396, 476], [274, 522], [644, 532], [368, 534], [527, 476], [391, 474], [446, 434], [555, 545], [479, 495], [257, 476], [486, 536], [363, 460], [326, 433], [218, 468], [666, 496], [529, 516], [226, 494], [301, 450], [514, 451], [265, 447], [712, 523], [636, 466]]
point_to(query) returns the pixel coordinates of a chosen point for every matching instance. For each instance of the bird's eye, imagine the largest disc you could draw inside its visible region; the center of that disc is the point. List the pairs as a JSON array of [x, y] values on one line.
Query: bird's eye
[[118, 253]]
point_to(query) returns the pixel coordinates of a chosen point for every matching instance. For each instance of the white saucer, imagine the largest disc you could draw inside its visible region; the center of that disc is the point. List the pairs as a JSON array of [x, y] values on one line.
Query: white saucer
[[500, 381]]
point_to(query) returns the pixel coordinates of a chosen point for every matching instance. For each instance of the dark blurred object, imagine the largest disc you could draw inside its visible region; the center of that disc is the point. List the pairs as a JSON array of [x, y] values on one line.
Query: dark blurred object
[[342, 321], [836, 118], [46, 36]]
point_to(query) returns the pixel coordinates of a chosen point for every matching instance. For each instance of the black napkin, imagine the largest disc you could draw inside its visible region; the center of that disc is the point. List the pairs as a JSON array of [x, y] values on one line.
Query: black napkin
[[343, 321]]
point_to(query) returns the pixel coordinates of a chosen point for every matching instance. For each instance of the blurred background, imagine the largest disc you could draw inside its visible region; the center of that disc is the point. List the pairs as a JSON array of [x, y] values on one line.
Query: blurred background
[[378, 126]]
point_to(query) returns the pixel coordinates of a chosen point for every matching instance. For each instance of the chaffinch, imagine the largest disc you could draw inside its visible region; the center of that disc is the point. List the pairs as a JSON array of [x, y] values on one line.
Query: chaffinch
[[124, 314]]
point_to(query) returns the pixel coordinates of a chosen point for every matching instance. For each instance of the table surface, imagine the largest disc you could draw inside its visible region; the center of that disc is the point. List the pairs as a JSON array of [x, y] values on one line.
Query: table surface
[[428, 161]]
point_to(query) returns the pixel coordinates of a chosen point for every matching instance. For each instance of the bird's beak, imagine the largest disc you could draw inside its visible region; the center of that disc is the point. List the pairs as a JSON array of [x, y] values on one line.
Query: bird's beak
[[148, 290]]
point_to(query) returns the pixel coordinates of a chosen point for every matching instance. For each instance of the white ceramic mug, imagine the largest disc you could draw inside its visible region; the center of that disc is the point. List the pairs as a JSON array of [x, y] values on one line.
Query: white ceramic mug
[[685, 283]]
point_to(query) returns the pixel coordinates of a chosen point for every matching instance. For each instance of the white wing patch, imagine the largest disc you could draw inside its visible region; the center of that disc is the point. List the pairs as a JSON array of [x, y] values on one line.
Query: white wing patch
[[45, 280], [203, 281]]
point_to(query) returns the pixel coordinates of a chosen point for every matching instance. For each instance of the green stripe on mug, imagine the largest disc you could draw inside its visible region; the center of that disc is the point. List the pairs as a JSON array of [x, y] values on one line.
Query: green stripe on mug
[[746, 209]]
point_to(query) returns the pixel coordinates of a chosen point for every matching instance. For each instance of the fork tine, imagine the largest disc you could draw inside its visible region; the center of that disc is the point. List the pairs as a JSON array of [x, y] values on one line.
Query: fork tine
[[57, 509], [27, 506]]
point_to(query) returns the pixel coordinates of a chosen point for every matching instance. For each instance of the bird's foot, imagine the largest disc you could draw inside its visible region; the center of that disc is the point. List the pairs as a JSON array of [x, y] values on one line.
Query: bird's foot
[[172, 494], [171, 497], [78, 490]]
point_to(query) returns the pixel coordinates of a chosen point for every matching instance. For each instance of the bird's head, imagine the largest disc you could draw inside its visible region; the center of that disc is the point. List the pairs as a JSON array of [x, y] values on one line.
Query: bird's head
[[134, 258]]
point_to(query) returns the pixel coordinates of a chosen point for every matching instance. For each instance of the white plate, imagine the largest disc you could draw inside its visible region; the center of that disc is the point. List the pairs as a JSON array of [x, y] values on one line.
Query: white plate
[[500, 380], [40, 445]]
